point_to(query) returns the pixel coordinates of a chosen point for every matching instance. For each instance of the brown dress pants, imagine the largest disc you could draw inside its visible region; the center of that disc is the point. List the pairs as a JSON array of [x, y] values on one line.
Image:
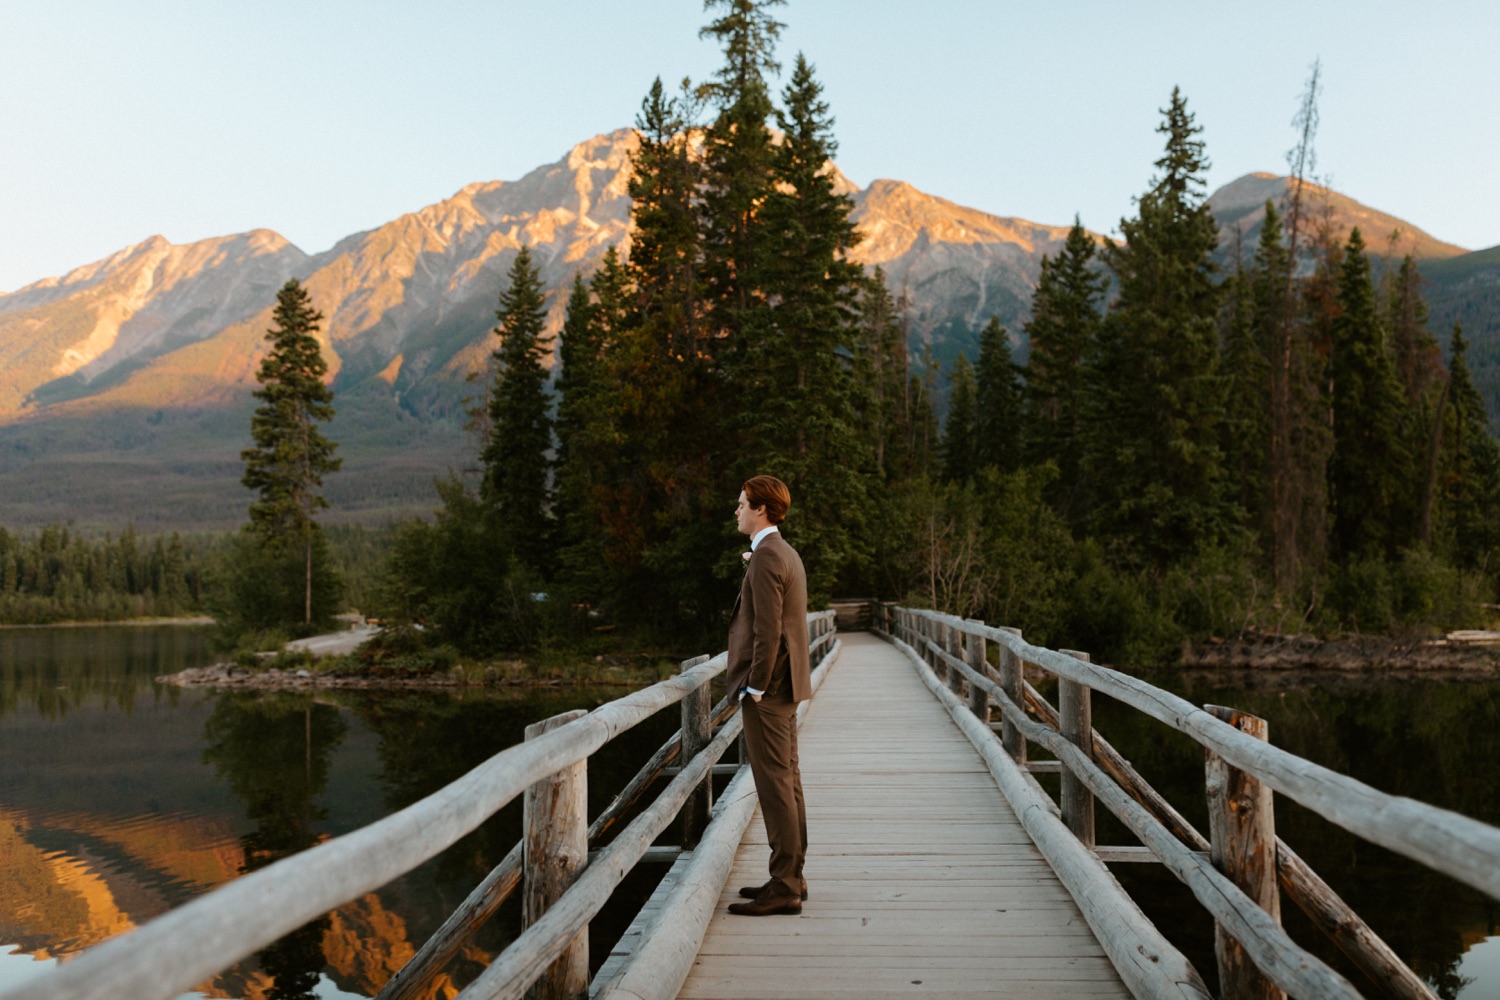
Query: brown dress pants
[[771, 743]]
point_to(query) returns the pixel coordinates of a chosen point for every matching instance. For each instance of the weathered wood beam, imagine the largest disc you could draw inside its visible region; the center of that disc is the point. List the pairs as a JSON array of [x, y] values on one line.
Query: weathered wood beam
[[1242, 832], [186, 946], [556, 839], [538, 946], [1446, 841], [667, 950], [1289, 965], [1145, 960]]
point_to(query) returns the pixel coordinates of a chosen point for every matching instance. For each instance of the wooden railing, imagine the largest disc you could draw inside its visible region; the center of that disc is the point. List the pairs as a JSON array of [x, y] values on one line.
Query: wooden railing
[[565, 885], [1235, 871]]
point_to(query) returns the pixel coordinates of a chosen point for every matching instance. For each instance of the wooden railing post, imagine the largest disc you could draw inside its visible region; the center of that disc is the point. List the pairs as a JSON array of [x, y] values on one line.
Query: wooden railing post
[[1242, 835], [1012, 678], [955, 647], [1075, 714], [979, 704], [557, 848], [935, 638], [697, 730]]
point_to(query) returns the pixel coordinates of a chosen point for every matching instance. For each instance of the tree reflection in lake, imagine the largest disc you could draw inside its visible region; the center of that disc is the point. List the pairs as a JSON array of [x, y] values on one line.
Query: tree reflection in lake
[[274, 752]]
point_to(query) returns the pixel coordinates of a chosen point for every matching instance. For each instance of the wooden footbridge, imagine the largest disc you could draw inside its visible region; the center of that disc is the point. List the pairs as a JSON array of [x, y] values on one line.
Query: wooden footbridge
[[937, 867]]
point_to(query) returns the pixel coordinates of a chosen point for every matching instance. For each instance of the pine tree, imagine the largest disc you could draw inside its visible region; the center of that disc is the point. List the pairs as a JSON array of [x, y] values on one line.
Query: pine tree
[[791, 365], [1297, 425], [1419, 362], [1063, 326], [588, 452], [1153, 458], [1370, 470], [738, 166], [960, 431], [1247, 405], [1470, 476], [998, 421], [516, 467], [884, 367], [291, 456], [1419, 368]]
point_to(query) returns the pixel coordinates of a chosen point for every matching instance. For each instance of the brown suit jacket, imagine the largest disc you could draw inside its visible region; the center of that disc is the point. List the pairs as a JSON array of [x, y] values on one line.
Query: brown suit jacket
[[768, 631]]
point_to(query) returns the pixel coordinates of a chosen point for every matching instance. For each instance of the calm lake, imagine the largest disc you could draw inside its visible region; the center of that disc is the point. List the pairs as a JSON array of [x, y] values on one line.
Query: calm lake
[[120, 799]]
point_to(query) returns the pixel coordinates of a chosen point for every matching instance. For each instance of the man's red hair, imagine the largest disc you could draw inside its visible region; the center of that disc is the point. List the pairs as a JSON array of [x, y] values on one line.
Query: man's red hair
[[770, 493]]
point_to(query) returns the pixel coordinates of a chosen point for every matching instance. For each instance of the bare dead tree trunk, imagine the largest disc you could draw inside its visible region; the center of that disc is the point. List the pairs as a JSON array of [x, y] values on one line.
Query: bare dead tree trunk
[[1302, 158]]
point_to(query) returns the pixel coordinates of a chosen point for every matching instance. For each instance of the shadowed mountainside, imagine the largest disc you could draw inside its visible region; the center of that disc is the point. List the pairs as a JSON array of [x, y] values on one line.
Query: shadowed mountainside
[[125, 384]]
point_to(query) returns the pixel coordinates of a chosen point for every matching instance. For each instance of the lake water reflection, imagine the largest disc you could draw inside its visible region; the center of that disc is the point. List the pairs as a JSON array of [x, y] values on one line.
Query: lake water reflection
[[120, 799]]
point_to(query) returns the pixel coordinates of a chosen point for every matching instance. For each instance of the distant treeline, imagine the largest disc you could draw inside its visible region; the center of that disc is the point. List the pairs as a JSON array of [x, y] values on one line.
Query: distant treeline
[[58, 574]]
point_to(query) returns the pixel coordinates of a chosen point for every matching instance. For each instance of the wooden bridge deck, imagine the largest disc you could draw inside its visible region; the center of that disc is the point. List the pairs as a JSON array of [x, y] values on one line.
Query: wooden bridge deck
[[922, 881]]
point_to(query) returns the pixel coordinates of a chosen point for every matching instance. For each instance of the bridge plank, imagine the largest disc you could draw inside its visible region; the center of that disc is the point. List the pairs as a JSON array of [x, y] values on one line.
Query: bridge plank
[[922, 880]]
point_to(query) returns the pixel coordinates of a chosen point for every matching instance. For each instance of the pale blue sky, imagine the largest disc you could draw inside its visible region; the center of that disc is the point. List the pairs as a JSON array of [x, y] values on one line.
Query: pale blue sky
[[198, 118]]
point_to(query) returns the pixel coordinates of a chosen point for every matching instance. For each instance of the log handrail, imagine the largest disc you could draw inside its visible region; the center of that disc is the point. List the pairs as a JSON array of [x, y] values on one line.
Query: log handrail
[[486, 898], [1287, 964], [187, 945], [1443, 840], [1302, 885]]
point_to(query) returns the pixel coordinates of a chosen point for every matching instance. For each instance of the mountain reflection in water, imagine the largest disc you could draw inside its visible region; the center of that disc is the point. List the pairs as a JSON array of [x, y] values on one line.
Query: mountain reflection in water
[[120, 799]]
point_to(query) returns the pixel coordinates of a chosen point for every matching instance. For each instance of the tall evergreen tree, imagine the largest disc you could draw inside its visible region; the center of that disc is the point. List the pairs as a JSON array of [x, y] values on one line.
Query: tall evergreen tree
[[1370, 470], [1298, 445], [1470, 475], [291, 456], [738, 166], [516, 466], [579, 385], [792, 362], [884, 368], [1064, 325], [1419, 368], [961, 443], [998, 422], [1247, 404], [1419, 362], [1153, 456]]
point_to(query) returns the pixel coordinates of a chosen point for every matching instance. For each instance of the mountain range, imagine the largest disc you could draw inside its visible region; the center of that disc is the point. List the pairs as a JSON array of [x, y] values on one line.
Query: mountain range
[[125, 384]]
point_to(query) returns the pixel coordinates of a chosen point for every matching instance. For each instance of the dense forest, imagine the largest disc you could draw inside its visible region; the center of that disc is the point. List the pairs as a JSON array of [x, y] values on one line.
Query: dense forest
[[62, 574], [1188, 450], [59, 575]]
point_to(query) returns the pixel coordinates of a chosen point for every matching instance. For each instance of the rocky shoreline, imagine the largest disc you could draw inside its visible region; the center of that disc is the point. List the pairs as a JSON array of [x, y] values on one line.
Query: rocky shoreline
[[1367, 654], [229, 675]]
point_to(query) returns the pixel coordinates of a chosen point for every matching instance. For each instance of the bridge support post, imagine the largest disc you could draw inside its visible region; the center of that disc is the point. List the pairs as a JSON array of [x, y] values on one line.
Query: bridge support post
[[1076, 723], [931, 632], [1242, 834], [1012, 682], [697, 731], [955, 647], [979, 702], [557, 848]]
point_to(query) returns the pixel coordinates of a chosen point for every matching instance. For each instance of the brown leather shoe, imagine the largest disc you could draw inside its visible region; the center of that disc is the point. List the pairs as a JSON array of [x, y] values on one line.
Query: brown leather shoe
[[752, 891], [767, 904]]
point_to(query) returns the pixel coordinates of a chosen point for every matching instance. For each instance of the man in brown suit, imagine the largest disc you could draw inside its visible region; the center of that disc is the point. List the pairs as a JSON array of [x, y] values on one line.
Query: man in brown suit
[[768, 669]]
